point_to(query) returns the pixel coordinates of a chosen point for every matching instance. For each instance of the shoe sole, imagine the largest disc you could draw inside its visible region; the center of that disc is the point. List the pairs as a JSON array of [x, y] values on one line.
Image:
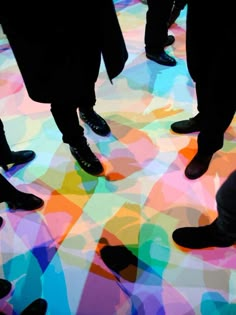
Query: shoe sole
[[160, 63]]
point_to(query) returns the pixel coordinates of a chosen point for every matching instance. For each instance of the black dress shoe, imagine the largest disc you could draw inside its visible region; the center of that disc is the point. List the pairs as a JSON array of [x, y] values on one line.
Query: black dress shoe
[[202, 237], [86, 158], [1, 221], [170, 40], [121, 262], [24, 201], [187, 126], [95, 122], [5, 288], [18, 157], [162, 58], [198, 166], [38, 307]]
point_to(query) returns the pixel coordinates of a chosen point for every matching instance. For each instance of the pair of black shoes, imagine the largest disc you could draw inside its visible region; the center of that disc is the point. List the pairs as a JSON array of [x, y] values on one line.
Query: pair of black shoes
[[37, 307], [202, 237], [162, 57], [17, 158]]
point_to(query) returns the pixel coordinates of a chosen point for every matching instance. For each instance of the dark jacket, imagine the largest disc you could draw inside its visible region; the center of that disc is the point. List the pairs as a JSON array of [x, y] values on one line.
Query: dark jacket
[[54, 48]]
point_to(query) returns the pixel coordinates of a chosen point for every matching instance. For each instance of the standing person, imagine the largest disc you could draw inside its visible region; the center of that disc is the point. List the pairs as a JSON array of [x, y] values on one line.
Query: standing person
[[156, 36], [220, 233], [208, 69], [59, 56], [8, 193]]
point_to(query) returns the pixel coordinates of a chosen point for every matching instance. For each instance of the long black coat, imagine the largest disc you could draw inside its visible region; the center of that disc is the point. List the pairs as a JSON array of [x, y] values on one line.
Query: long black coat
[[57, 48], [211, 38]]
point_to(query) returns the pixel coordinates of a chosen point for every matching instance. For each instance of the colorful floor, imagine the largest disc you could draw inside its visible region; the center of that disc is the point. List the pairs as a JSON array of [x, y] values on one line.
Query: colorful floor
[[54, 253]]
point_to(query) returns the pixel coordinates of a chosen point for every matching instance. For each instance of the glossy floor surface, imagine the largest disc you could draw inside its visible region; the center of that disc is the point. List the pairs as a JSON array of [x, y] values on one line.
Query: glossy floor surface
[[54, 253]]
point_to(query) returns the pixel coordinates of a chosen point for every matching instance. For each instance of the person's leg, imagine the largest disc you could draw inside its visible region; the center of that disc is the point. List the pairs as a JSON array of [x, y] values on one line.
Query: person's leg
[[193, 124], [226, 206], [176, 10], [17, 199], [220, 233], [156, 32], [66, 119], [90, 70], [11, 157], [211, 137], [88, 115], [217, 111]]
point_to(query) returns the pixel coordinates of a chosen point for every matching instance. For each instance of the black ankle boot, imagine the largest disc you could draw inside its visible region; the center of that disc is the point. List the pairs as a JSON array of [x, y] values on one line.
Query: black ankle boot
[[198, 166], [95, 122], [86, 158], [24, 201], [5, 288], [16, 158], [38, 307]]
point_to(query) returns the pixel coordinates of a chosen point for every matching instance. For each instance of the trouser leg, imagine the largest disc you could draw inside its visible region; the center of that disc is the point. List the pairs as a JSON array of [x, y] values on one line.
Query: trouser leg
[[66, 119], [5, 151], [156, 29], [6, 189], [226, 205], [217, 103]]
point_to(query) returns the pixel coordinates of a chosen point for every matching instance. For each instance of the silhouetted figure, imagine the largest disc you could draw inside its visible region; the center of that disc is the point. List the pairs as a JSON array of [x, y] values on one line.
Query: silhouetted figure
[[220, 233], [64, 75]]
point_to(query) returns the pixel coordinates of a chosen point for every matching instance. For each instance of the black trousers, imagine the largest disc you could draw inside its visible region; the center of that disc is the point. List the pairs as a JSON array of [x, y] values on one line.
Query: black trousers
[[6, 189], [180, 4], [207, 64], [156, 29], [226, 205], [66, 79], [65, 113], [5, 151]]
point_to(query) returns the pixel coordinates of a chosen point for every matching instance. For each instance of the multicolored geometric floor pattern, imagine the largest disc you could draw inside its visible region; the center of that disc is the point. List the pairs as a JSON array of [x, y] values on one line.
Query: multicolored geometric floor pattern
[[54, 253]]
